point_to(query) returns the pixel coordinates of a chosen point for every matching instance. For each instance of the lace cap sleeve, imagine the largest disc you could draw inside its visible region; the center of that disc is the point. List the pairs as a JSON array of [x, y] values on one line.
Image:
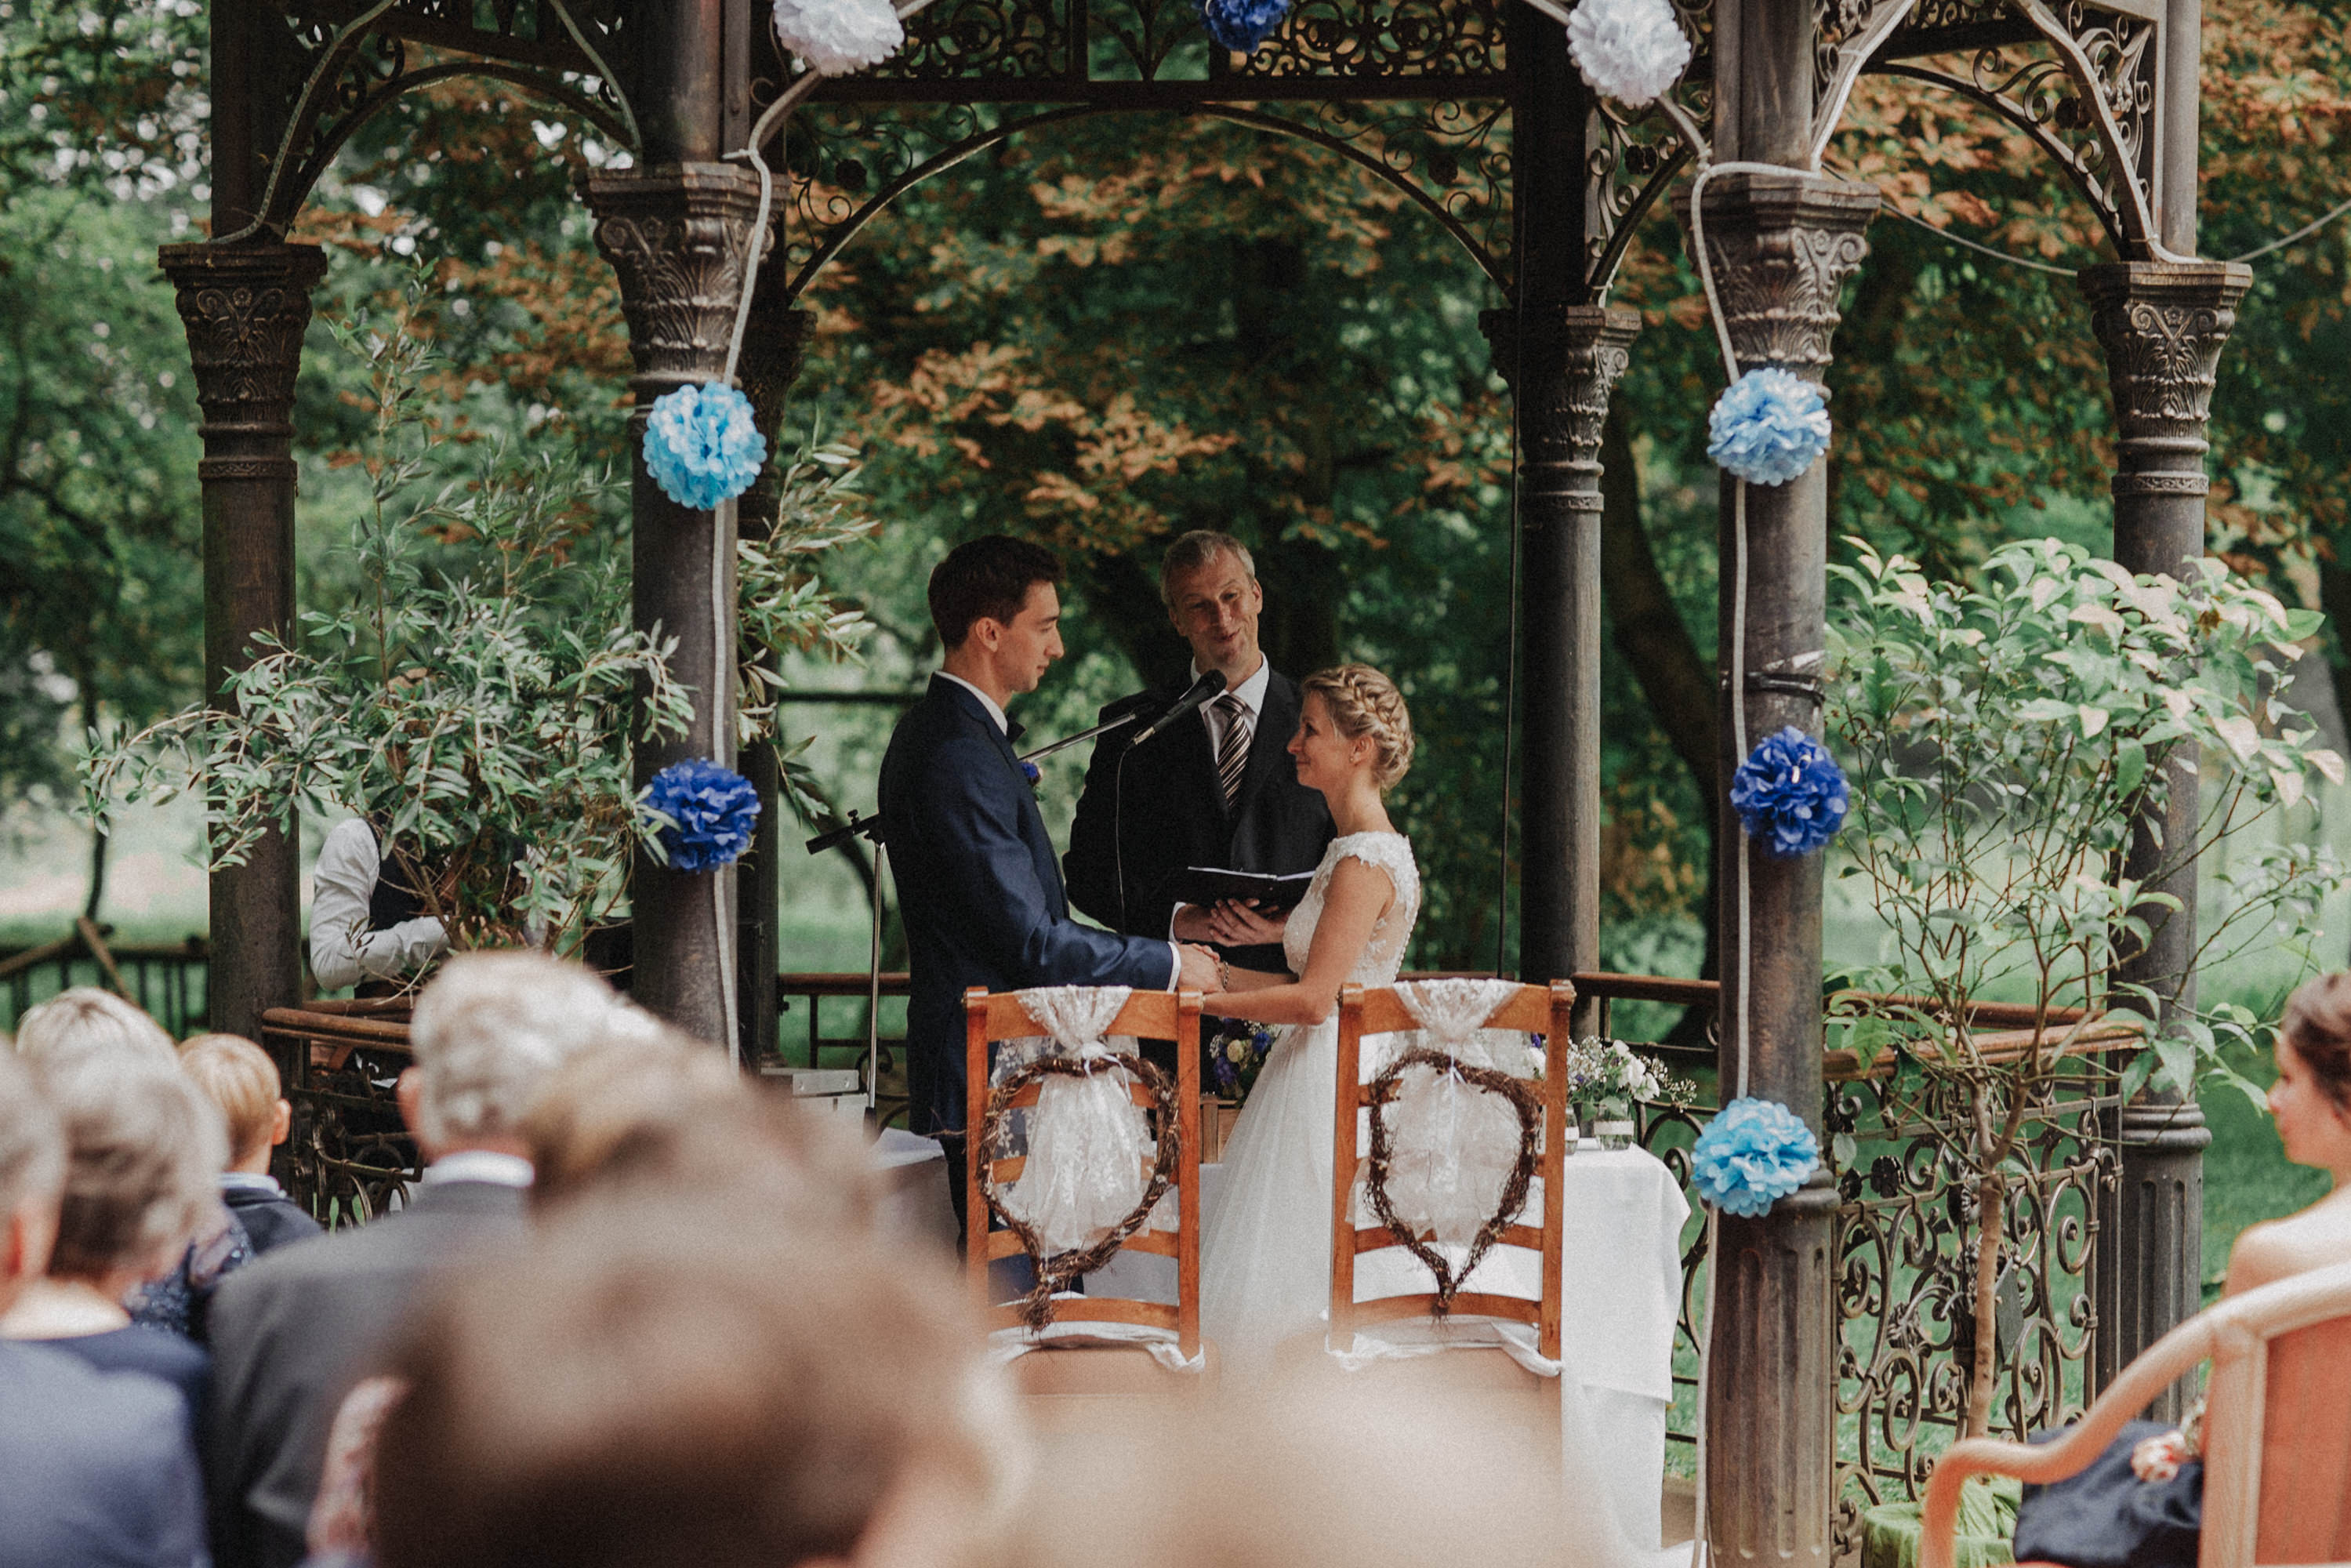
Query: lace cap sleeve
[[1390, 853]]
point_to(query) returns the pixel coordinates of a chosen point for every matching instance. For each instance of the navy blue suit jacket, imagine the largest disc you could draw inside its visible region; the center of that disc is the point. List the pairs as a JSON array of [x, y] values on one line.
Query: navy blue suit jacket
[[979, 890]]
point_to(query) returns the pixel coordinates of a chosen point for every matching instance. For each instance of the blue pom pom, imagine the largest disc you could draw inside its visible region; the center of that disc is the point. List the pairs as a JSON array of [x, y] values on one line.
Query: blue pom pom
[[1753, 1153], [1033, 773], [713, 810], [703, 445], [1790, 794], [1240, 25], [1769, 427]]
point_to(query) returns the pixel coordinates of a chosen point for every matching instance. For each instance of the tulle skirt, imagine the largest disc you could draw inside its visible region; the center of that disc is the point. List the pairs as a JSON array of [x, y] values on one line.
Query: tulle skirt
[[1265, 1248]]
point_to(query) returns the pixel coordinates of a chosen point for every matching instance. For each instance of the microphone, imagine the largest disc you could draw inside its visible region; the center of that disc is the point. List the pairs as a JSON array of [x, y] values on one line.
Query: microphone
[[1203, 692]]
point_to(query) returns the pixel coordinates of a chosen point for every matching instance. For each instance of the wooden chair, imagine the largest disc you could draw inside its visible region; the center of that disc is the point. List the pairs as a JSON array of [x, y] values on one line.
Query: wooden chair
[[1150, 1015], [2277, 1427], [1533, 1010]]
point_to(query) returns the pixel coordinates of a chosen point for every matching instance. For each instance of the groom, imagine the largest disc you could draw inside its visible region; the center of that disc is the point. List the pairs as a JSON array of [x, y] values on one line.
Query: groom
[[977, 886]]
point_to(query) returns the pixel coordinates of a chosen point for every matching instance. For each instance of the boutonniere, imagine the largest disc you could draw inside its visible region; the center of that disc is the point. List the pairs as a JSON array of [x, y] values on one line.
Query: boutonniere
[[1034, 774]]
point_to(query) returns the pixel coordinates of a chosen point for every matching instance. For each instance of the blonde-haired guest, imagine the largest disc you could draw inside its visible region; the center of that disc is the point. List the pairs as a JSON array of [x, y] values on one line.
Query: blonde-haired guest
[[143, 1152], [237, 1075], [85, 1021]]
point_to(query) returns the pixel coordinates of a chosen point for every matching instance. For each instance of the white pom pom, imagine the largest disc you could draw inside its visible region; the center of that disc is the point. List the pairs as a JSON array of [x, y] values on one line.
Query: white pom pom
[[837, 37], [1630, 51]]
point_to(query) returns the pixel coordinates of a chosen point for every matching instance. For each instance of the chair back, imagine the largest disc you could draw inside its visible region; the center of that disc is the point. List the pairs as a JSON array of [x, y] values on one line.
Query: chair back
[[1149, 1015], [2281, 1493], [1534, 1010]]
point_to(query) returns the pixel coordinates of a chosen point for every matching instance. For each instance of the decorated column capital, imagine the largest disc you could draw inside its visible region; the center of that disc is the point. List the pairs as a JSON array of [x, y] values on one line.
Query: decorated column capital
[[2163, 325], [1561, 361], [1781, 247], [677, 236], [246, 308]]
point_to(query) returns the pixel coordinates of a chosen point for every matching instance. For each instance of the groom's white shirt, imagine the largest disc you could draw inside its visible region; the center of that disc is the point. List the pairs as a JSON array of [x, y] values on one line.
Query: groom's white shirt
[[1004, 726]]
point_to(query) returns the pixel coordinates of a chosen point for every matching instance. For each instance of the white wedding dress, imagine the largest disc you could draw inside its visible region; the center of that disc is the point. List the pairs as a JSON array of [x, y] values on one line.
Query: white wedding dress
[[1265, 1250]]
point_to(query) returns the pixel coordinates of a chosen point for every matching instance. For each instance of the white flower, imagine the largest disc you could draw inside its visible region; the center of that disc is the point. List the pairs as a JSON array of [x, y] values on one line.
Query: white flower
[[1237, 1052], [837, 37], [1630, 51]]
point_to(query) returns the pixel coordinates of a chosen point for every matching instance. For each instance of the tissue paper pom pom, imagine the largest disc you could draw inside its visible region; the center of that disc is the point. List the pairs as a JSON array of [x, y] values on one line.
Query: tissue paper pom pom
[[1790, 794], [1753, 1153], [1241, 26], [701, 446], [1630, 51], [1769, 427], [714, 808], [837, 37]]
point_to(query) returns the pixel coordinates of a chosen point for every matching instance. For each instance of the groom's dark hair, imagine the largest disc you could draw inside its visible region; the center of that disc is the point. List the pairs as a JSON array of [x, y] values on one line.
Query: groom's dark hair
[[988, 578]]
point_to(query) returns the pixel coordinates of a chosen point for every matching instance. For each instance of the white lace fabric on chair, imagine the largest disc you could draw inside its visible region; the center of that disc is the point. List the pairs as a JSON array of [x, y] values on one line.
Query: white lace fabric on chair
[[1089, 1142], [1452, 1146]]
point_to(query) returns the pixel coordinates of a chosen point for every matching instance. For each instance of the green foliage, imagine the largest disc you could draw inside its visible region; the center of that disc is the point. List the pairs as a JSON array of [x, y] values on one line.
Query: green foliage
[[475, 698]]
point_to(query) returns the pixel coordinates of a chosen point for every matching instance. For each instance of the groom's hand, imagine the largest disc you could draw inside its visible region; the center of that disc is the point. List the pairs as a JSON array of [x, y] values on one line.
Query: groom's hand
[[1195, 969]]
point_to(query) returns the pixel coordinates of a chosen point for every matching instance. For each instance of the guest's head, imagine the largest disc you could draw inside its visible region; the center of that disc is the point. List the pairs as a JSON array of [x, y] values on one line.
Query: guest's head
[[1352, 728], [488, 1031], [681, 1380], [2310, 1100], [237, 1075], [85, 1021], [1209, 583], [143, 1156], [32, 1177], [999, 615]]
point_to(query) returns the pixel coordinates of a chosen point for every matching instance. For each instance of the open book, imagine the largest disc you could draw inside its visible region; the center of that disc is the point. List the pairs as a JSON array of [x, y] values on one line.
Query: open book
[[1209, 884]]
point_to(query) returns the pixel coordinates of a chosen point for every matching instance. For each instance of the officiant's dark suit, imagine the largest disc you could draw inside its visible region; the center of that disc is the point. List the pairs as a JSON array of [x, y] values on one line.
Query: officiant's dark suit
[[1191, 795], [979, 887], [1173, 814]]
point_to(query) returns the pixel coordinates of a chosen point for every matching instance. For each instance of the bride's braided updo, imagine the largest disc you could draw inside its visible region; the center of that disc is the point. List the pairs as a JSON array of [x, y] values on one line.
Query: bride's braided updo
[[1365, 705]]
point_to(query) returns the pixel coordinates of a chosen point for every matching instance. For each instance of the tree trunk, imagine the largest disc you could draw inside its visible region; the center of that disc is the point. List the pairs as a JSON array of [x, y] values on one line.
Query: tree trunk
[[88, 683], [1991, 1213]]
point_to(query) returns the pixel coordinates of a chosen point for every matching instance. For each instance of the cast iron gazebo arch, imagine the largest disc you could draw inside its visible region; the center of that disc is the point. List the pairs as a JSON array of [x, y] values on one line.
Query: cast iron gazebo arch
[[2107, 88]]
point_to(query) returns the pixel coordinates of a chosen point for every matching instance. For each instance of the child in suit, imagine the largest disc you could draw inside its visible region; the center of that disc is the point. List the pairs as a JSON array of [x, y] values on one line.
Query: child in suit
[[237, 1075]]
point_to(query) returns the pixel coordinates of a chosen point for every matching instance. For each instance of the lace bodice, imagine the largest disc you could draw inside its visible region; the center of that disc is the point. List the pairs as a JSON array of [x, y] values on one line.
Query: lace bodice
[[1383, 956]]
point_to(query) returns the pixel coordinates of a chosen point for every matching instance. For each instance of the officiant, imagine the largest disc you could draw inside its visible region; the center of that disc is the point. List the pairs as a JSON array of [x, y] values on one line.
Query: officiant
[[1216, 789]]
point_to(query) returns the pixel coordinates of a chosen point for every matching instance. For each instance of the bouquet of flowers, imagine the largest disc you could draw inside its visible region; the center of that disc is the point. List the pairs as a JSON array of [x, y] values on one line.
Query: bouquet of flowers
[[1237, 1051], [1605, 1076]]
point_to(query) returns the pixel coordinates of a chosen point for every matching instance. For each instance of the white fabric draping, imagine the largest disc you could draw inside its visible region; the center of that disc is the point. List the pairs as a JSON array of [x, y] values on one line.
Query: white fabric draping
[[1088, 1141]]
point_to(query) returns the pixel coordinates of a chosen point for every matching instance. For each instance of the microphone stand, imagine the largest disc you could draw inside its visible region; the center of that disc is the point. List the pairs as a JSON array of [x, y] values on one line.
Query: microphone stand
[[1104, 727]]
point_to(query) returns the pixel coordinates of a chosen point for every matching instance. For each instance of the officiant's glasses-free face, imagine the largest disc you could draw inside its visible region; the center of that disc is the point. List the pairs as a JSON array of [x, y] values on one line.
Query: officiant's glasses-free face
[[1215, 608]]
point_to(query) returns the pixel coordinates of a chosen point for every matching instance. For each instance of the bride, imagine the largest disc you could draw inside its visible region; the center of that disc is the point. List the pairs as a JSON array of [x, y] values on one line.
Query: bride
[[1265, 1264]]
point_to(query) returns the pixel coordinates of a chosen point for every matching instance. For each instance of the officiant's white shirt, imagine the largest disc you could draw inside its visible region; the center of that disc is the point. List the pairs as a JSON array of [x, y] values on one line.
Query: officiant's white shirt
[[1004, 725], [1252, 694]]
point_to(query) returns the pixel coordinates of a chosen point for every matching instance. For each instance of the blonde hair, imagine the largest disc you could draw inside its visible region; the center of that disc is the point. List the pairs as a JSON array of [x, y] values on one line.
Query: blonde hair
[[1365, 705], [237, 1075], [32, 1146], [85, 1021], [143, 1156]]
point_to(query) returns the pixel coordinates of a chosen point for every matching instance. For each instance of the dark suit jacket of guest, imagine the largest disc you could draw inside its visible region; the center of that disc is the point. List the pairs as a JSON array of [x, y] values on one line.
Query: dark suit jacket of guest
[[293, 1331], [94, 1466], [979, 891], [1173, 814], [271, 1219]]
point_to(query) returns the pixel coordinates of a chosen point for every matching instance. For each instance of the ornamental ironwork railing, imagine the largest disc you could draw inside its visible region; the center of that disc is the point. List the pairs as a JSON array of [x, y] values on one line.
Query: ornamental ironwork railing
[[1904, 1254]]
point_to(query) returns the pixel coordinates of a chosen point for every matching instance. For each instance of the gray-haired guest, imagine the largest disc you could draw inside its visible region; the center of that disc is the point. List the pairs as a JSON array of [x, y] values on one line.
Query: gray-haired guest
[[293, 1331], [95, 1467]]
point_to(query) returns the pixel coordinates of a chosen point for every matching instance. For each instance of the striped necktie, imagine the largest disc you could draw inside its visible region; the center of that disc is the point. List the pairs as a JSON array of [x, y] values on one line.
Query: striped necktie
[[1232, 756]]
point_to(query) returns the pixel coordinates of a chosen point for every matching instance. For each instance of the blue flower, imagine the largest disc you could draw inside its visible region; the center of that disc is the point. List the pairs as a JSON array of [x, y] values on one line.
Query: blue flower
[[1769, 427], [1753, 1153], [713, 808], [1241, 26], [1790, 794], [1033, 773], [703, 445]]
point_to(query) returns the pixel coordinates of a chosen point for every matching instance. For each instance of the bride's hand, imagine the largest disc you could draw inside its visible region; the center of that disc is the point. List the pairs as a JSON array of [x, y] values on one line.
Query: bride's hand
[[1236, 924]]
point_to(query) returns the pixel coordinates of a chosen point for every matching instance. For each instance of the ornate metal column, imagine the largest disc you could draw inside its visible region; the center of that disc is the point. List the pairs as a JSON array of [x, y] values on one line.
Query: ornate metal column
[[2162, 325], [677, 236], [1781, 246], [774, 345], [246, 308]]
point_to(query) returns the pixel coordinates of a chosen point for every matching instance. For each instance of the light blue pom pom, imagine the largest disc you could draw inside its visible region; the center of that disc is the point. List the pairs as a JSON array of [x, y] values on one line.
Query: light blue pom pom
[[703, 445], [1790, 794], [1769, 427], [1753, 1153], [712, 809]]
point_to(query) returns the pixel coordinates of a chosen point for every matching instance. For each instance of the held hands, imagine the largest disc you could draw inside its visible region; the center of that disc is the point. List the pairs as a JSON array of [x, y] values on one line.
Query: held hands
[[1198, 969]]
